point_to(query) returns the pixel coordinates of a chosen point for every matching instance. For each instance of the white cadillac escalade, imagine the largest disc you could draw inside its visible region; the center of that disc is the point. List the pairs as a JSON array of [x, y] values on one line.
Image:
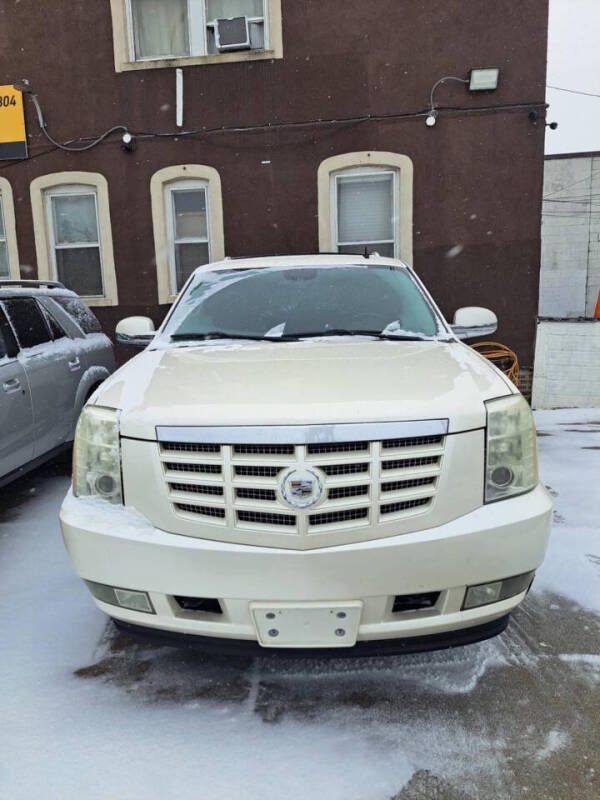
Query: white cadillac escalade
[[306, 457]]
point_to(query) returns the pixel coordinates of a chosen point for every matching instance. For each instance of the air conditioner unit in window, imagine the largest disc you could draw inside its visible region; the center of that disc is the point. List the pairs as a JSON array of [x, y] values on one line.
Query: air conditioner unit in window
[[232, 34]]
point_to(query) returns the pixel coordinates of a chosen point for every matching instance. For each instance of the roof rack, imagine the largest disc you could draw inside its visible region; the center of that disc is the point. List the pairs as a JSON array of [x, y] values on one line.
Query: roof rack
[[30, 284]]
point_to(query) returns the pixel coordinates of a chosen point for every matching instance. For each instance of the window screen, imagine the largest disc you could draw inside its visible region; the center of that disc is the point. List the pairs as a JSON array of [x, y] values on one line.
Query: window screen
[[365, 212], [28, 322]]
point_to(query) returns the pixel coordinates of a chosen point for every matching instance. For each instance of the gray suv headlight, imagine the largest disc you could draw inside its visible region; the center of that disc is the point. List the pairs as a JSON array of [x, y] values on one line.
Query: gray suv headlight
[[511, 453], [96, 455]]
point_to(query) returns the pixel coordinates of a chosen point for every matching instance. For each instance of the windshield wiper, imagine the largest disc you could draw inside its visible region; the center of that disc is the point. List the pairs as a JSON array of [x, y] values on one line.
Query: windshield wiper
[[412, 337], [199, 337]]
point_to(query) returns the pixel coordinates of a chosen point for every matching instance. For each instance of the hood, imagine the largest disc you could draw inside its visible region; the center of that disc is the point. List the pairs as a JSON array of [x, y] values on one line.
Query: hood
[[297, 383]]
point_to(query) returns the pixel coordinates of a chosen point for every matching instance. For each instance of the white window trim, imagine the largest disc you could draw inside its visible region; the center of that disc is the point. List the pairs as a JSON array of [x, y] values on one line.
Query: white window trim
[[350, 163], [169, 191], [69, 190], [10, 229], [160, 185], [69, 183], [125, 53]]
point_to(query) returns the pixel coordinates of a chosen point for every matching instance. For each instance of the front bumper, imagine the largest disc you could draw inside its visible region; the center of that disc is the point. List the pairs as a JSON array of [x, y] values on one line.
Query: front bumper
[[111, 545]]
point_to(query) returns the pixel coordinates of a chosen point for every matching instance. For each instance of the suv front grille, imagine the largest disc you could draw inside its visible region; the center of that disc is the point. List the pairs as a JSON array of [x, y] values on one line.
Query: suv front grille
[[364, 483]]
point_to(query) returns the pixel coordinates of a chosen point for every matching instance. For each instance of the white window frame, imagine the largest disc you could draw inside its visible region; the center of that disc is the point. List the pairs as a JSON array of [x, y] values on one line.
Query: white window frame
[[360, 172], [7, 208], [43, 227], [348, 163], [124, 40], [162, 219], [71, 190], [169, 190]]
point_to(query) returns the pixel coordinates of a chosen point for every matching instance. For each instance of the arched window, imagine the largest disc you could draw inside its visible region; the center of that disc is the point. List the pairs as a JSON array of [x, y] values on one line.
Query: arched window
[[9, 256], [365, 202], [73, 235], [187, 215]]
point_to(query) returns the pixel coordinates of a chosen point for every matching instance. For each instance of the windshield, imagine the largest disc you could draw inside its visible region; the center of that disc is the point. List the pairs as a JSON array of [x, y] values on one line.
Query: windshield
[[287, 302]]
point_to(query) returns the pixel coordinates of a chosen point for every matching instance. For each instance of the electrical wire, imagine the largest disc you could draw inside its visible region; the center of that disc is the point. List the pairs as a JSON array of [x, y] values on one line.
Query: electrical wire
[[508, 363], [438, 83], [572, 91], [274, 126], [69, 149]]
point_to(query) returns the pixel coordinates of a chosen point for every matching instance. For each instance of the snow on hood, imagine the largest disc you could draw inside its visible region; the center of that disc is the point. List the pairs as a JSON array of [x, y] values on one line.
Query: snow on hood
[[297, 383]]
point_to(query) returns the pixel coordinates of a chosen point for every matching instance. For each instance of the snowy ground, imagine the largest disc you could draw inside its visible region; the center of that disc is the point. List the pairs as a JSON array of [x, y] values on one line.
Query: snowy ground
[[88, 714]]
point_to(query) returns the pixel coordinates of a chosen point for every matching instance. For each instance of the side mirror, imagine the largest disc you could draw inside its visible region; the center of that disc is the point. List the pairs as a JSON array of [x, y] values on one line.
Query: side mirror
[[472, 322], [135, 331]]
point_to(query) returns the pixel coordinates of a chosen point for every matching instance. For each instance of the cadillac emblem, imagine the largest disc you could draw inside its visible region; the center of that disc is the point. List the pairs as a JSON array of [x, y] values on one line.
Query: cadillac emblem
[[301, 487]]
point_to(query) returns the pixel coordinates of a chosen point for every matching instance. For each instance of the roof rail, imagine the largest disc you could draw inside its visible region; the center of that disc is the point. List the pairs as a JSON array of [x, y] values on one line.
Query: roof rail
[[30, 284]]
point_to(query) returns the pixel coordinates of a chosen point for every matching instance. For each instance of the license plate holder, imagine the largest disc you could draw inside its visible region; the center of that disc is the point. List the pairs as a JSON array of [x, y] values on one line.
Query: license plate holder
[[307, 624]]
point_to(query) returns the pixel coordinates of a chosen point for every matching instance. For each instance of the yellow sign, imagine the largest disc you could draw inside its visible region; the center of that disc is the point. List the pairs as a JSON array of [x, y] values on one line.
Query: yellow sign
[[13, 140]]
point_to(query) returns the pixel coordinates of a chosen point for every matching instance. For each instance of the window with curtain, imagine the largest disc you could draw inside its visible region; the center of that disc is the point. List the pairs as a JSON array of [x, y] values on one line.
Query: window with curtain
[[74, 239], [364, 206], [180, 28], [4, 266], [187, 229]]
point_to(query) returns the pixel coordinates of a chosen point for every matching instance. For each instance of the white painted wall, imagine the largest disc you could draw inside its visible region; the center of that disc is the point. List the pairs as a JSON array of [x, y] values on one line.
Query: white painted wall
[[567, 365], [570, 264]]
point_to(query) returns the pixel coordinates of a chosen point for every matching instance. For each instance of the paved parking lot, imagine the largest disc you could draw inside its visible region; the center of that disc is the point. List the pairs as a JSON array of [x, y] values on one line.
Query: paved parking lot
[[88, 713]]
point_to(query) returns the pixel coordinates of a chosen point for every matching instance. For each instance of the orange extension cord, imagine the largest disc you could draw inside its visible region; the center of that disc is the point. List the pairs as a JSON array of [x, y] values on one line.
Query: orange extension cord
[[502, 356]]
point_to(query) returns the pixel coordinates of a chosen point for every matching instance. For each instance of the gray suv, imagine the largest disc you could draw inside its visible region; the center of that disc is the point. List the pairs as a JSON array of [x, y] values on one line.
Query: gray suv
[[53, 354]]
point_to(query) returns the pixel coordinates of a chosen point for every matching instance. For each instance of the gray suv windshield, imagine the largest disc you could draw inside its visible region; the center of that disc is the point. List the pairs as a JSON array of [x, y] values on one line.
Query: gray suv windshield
[[291, 302]]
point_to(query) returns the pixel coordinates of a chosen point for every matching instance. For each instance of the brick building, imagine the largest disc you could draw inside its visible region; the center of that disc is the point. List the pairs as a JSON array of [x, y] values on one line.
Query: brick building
[[307, 131]]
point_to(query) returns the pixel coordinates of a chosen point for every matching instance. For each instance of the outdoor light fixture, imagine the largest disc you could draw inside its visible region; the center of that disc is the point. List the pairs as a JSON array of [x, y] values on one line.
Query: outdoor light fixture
[[128, 142], [479, 80], [23, 86], [484, 80]]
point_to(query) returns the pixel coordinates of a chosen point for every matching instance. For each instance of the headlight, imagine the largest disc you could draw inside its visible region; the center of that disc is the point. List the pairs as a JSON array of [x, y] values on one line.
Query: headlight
[[96, 455], [511, 453]]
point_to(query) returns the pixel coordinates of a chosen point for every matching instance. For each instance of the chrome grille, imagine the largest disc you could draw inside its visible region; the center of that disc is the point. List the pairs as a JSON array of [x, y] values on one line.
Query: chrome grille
[[195, 488], [348, 491], [263, 518], [365, 483], [390, 508], [189, 447]]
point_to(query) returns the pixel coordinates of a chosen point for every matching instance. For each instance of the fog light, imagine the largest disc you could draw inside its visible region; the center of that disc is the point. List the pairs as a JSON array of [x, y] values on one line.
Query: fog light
[[485, 593], [125, 598]]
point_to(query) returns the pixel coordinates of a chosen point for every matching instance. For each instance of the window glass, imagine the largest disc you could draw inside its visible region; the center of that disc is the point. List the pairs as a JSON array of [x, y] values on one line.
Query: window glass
[[188, 214], [296, 300], [28, 322], [76, 244], [189, 207], [160, 28], [80, 270], [8, 343], [187, 258], [55, 328], [224, 9], [365, 209], [4, 271], [78, 310], [75, 218]]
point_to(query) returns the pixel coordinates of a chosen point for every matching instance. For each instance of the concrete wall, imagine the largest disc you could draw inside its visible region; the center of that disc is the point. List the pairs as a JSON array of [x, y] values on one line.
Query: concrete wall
[[567, 364], [570, 266]]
